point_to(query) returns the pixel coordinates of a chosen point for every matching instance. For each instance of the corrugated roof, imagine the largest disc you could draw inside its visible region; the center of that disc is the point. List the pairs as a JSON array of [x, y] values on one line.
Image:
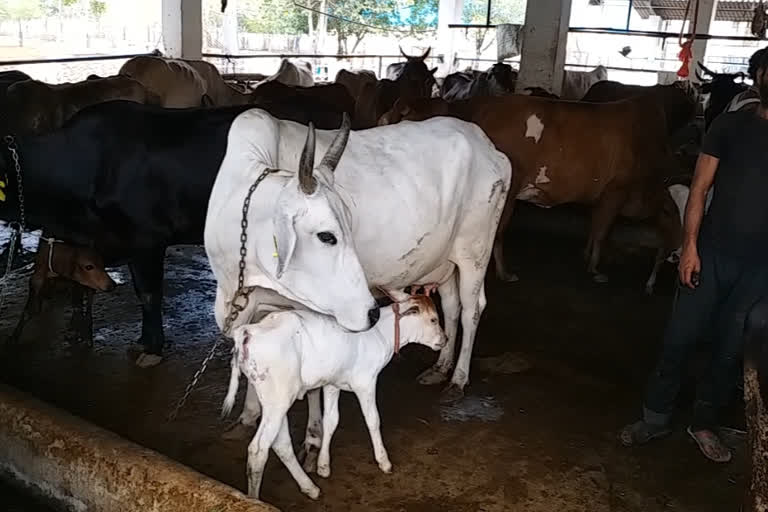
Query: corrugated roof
[[732, 10]]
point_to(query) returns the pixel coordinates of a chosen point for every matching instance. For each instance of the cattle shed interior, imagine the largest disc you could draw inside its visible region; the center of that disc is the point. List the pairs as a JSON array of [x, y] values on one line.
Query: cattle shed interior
[[561, 356]]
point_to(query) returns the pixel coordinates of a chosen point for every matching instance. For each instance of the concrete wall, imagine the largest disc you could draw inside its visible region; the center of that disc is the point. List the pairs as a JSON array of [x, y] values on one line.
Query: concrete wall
[[89, 469]]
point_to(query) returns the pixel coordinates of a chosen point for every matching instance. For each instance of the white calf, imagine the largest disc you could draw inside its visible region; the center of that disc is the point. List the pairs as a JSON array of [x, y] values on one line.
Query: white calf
[[679, 195], [291, 352]]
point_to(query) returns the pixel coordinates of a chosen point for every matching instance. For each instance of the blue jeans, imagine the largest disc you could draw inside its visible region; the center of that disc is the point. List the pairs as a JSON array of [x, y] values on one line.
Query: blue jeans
[[729, 289]]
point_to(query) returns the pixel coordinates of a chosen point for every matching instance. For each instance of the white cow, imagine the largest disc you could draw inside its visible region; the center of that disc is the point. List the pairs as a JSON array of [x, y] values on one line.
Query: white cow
[[679, 195], [293, 74], [577, 83], [291, 352], [420, 203]]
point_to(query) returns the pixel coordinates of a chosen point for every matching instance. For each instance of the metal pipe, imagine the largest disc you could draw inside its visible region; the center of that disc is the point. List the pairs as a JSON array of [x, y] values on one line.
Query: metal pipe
[[83, 467], [75, 59], [629, 12]]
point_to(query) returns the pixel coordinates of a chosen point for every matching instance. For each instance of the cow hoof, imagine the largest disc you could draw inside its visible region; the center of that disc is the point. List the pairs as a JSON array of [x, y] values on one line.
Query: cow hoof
[[308, 456], [509, 278], [451, 394], [432, 376], [238, 431], [649, 290], [600, 278], [313, 492], [386, 467], [324, 471], [148, 360]]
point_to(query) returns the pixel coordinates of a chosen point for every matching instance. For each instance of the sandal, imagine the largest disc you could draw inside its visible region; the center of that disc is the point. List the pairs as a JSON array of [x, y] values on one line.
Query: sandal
[[640, 433], [711, 445]]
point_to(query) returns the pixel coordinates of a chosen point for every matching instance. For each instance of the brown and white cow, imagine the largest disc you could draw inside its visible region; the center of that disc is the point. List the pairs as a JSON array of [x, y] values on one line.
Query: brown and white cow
[[611, 156]]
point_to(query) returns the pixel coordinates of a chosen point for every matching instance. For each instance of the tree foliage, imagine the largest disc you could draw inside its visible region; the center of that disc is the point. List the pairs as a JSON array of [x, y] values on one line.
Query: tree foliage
[[20, 9]]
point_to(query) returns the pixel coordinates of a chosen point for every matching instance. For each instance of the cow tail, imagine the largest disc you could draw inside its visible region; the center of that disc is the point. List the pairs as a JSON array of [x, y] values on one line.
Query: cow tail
[[234, 378]]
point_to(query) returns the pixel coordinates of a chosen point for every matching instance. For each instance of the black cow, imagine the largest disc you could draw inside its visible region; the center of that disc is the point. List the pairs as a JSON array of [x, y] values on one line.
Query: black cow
[[127, 180], [497, 80], [721, 87]]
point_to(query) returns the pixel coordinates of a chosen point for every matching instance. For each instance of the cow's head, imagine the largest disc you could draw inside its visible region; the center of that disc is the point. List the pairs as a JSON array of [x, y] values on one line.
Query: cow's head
[[415, 110], [316, 261], [415, 79]]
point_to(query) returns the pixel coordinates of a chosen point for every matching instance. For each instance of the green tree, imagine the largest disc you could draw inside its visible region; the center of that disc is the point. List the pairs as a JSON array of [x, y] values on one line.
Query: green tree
[[358, 18], [502, 11], [21, 11], [271, 17]]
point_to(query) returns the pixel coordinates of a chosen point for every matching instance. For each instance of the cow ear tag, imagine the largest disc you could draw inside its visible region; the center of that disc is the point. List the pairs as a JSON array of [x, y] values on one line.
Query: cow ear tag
[[274, 238], [2, 189]]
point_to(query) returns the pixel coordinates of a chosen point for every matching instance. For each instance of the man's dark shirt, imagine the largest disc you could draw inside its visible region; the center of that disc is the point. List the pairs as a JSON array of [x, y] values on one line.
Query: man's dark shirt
[[737, 221]]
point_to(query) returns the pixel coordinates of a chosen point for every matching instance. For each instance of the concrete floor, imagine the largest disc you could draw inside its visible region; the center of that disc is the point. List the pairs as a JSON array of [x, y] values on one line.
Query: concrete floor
[[541, 439]]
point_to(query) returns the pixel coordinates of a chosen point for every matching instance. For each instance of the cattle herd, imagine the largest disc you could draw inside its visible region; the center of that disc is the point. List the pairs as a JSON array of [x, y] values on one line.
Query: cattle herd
[[415, 186]]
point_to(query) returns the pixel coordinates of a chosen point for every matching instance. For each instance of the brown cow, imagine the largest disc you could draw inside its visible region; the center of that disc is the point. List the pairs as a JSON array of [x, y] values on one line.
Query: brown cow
[[678, 103], [610, 156], [36, 107], [55, 259], [183, 83]]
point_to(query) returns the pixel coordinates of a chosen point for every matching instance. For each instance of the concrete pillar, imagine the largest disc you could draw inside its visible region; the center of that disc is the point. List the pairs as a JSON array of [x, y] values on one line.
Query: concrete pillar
[[706, 16], [545, 37], [183, 28], [449, 11]]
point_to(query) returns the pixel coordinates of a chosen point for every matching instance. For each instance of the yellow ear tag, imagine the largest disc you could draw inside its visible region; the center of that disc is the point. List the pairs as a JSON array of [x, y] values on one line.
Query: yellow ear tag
[[274, 239], [2, 190]]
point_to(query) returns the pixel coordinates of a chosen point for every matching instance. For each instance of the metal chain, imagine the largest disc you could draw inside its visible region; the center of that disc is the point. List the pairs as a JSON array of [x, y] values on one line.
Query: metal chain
[[11, 143], [239, 300], [17, 227]]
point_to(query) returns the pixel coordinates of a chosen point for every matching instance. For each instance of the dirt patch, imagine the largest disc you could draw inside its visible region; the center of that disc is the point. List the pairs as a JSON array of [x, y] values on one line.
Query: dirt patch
[[539, 436]]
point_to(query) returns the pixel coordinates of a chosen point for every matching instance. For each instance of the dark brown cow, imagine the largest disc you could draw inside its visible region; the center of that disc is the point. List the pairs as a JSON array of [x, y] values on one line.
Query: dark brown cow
[[36, 107], [414, 81], [355, 81], [324, 105], [609, 156], [678, 103]]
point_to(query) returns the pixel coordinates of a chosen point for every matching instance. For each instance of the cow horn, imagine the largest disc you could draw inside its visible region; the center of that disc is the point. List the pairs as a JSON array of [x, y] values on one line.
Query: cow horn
[[698, 76], [426, 53], [332, 157], [307, 163], [403, 53]]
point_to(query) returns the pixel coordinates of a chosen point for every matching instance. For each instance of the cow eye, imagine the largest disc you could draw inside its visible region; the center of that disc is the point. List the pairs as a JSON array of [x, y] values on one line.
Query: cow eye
[[89, 267], [327, 238]]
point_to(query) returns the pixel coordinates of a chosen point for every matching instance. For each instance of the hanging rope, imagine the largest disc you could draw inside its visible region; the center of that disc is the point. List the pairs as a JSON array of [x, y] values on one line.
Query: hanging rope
[[686, 48]]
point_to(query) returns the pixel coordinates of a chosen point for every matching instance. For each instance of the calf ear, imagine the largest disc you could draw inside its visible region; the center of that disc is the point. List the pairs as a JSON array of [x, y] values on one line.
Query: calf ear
[[285, 242]]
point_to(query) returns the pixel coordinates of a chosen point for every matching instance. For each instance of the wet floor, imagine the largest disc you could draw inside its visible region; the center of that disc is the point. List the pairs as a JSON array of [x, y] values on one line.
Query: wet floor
[[559, 366]]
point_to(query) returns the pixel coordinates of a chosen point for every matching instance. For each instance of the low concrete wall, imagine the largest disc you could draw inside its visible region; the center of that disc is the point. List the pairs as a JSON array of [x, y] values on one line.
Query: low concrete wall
[[92, 470]]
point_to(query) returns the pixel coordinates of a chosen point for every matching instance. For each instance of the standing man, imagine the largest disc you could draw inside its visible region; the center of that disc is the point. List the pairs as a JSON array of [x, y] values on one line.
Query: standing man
[[723, 274]]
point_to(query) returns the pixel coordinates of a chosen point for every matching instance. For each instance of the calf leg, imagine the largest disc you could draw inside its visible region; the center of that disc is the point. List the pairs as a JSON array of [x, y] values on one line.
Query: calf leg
[[312, 438], [449, 295], [367, 398], [330, 422], [284, 449], [258, 450], [603, 216], [33, 306], [651, 283], [498, 244], [147, 273], [82, 313]]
